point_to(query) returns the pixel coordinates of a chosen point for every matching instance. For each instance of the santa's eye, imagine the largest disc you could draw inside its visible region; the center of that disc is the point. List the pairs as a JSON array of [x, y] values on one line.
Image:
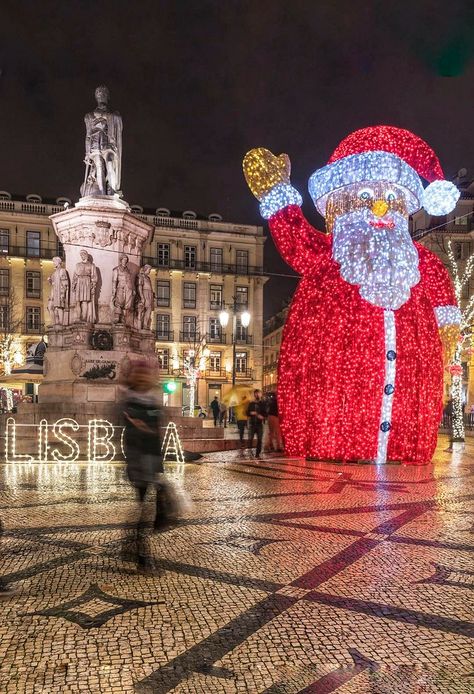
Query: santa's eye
[[366, 194], [390, 196]]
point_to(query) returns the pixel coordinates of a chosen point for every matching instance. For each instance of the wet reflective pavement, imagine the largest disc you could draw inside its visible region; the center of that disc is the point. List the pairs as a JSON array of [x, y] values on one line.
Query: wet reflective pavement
[[284, 577]]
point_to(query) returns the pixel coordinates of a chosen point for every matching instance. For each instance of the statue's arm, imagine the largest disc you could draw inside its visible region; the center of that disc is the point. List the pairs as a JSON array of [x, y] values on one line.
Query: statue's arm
[[88, 134]]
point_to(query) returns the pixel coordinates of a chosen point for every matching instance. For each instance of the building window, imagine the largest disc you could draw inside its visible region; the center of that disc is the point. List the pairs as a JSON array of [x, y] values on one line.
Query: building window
[[214, 329], [33, 319], [241, 362], [4, 241], [241, 333], [215, 361], [162, 326], [189, 294], [4, 318], [461, 221], [189, 327], [163, 293], [216, 259], [190, 257], [242, 298], [242, 261], [216, 297], [33, 244], [4, 281], [461, 249], [163, 255], [163, 359], [33, 285]]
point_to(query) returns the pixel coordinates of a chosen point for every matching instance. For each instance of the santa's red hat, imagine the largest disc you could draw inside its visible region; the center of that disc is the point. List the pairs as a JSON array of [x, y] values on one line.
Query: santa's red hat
[[385, 153]]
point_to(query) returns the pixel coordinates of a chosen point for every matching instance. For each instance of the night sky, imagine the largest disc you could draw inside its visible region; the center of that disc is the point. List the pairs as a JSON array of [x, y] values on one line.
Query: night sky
[[198, 83]]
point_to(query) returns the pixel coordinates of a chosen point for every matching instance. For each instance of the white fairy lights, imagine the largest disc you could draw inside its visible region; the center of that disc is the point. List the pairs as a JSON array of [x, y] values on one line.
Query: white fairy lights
[[440, 198], [280, 196], [171, 447], [365, 167], [59, 432]]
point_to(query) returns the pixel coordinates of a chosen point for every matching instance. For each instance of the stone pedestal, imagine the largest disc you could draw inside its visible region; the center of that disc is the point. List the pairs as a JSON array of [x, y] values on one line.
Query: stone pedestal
[[86, 362], [106, 229]]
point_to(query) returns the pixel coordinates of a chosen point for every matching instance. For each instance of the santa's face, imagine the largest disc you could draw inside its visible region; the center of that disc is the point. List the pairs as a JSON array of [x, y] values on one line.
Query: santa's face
[[371, 242]]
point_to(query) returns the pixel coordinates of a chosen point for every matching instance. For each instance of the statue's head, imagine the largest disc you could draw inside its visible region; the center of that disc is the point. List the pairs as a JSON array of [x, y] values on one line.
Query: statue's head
[[102, 94], [123, 260], [57, 261], [146, 269], [84, 255]]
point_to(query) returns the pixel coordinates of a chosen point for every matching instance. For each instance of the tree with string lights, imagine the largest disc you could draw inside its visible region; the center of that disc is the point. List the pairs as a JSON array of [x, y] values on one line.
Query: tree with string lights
[[11, 352], [461, 279]]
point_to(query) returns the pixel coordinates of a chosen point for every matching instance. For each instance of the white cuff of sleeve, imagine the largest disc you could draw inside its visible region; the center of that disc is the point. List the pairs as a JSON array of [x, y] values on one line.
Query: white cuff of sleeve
[[279, 197], [447, 315]]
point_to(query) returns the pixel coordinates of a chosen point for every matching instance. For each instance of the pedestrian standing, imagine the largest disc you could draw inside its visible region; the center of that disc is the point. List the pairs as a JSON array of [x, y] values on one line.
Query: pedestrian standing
[[142, 418], [215, 410], [223, 414], [256, 416], [273, 440]]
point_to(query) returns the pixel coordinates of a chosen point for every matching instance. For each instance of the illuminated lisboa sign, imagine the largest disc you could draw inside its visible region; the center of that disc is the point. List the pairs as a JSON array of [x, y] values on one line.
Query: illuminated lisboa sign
[[98, 440]]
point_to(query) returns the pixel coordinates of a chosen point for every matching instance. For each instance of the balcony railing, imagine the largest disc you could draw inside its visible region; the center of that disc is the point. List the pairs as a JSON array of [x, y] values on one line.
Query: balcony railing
[[33, 328], [225, 268], [215, 305], [30, 252], [189, 336], [218, 374], [268, 368], [243, 339], [164, 335], [219, 339], [246, 374]]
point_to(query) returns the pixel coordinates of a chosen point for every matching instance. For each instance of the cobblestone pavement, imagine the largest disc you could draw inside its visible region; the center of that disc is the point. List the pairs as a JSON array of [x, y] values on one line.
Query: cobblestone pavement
[[284, 577]]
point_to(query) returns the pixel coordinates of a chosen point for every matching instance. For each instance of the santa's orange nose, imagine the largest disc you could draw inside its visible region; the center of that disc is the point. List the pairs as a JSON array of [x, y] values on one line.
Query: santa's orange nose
[[379, 208]]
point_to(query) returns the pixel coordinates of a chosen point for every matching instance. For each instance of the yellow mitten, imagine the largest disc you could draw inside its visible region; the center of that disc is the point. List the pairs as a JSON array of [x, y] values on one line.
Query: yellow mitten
[[449, 335], [263, 170]]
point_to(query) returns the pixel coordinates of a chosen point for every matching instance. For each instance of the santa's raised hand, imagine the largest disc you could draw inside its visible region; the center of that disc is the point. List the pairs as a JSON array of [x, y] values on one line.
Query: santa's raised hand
[[268, 177]]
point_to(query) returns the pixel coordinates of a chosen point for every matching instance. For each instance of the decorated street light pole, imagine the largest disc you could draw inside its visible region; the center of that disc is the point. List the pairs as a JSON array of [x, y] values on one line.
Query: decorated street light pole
[[245, 318], [194, 363]]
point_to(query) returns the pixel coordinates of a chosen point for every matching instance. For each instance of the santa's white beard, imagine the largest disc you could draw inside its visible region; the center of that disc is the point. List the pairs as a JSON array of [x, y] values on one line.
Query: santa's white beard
[[382, 262]]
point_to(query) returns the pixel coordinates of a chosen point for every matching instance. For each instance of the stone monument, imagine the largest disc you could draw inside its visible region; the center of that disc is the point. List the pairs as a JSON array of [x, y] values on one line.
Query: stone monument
[[101, 299]]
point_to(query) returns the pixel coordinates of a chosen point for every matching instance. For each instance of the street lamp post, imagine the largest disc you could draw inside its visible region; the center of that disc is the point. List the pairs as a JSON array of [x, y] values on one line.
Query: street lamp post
[[245, 318]]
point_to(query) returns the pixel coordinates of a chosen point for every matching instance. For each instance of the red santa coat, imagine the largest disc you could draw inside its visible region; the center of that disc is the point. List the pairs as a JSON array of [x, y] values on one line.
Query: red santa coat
[[331, 374]]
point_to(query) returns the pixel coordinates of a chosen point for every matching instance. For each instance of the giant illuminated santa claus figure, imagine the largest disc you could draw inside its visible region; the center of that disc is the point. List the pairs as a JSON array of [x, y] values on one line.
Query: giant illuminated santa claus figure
[[361, 363]]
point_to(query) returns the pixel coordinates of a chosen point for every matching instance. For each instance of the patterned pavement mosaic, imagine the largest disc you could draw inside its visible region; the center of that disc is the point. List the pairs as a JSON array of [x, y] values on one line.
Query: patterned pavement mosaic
[[283, 577]]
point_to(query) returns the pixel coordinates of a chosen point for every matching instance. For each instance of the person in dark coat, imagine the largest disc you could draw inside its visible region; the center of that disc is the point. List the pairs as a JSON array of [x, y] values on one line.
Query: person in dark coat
[[215, 407], [142, 419], [256, 413]]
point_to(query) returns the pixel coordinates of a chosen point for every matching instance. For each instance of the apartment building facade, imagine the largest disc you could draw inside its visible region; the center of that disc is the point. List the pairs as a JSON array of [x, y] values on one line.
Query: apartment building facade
[[272, 337], [199, 267]]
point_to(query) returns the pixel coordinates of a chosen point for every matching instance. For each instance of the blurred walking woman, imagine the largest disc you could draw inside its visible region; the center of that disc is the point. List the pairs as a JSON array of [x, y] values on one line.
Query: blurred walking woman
[[142, 417]]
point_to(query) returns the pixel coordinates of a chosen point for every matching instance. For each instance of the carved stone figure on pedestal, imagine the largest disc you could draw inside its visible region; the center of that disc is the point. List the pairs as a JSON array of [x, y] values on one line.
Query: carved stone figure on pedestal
[[58, 303], [122, 291], [103, 158], [84, 284], [145, 298]]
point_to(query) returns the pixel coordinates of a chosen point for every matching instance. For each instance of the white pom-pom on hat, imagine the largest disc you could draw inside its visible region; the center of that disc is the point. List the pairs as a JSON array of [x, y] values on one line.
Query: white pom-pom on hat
[[440, 197]]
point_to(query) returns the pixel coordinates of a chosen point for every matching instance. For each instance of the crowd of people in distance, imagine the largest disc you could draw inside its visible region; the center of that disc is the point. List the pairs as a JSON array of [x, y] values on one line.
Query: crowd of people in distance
[[255, 413]]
